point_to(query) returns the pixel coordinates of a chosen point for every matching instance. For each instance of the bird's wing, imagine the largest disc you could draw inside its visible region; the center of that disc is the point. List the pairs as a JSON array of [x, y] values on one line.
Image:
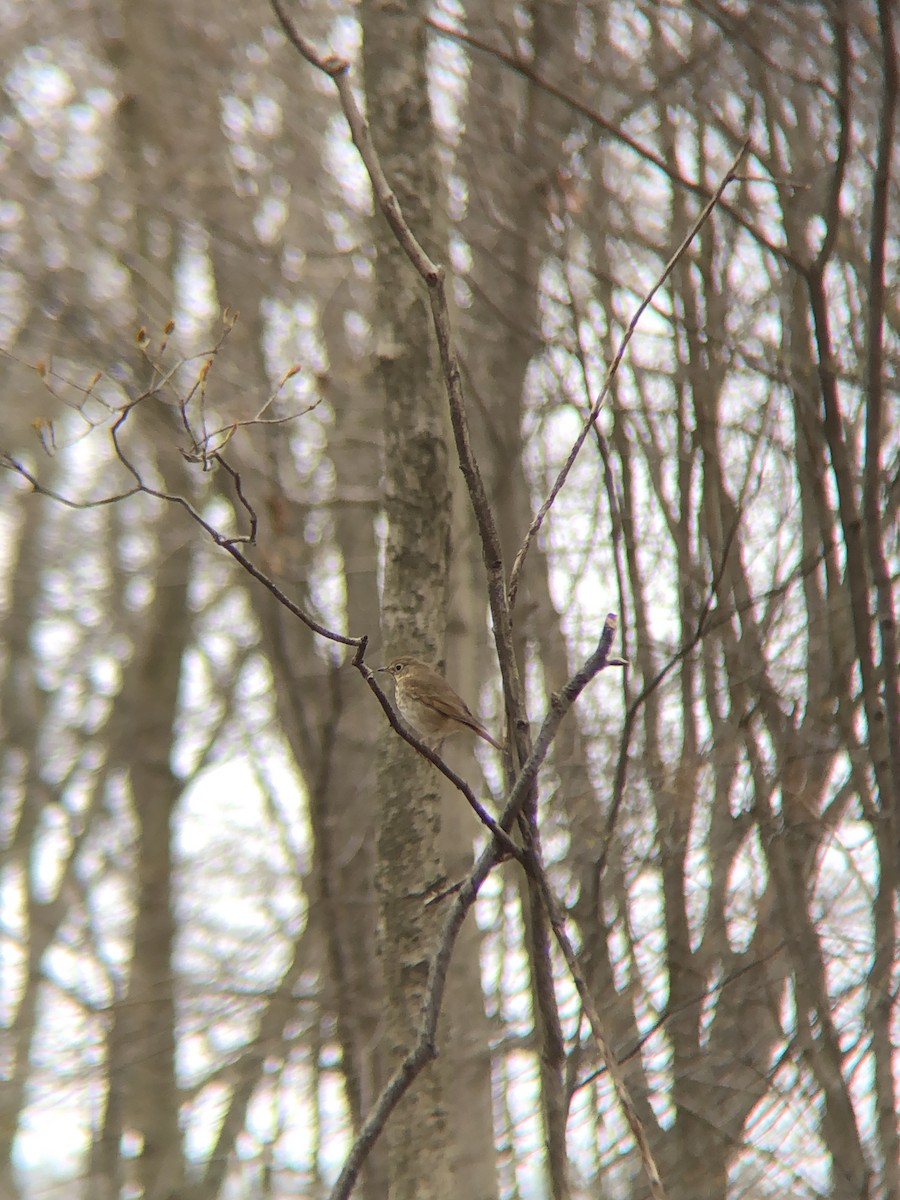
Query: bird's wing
[[444, 700], [440, 696], [449, 704]]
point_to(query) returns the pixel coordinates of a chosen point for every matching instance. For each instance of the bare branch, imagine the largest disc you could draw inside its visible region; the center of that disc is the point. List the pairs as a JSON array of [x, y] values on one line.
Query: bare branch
[[465, 893], [435, 759], [230, 544], [613, 369]]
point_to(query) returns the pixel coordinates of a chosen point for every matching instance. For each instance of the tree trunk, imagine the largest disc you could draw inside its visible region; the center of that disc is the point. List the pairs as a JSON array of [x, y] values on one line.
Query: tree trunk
[[416, 571]]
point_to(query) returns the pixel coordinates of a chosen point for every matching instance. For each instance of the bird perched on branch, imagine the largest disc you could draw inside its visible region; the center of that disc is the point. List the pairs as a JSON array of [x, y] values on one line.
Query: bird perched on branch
[[429, 704]]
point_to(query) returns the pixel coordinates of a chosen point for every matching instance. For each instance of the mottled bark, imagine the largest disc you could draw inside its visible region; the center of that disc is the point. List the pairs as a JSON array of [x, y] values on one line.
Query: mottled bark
[[416, 569]]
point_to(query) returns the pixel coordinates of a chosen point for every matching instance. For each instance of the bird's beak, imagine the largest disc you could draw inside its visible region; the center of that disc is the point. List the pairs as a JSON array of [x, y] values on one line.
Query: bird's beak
[[382, 668]]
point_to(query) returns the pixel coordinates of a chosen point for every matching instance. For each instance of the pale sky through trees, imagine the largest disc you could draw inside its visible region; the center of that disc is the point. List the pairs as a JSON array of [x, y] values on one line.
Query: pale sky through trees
[[215, 945]]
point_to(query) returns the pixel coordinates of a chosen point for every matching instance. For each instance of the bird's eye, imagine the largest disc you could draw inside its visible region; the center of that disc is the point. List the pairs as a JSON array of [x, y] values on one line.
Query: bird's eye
[[398, 667]]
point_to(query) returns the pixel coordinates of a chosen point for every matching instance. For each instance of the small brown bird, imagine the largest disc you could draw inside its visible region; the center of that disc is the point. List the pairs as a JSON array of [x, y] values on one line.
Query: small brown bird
[[429, 704]]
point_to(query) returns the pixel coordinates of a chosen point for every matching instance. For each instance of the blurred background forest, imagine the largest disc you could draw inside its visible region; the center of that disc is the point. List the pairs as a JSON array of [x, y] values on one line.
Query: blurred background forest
[[195, 935]]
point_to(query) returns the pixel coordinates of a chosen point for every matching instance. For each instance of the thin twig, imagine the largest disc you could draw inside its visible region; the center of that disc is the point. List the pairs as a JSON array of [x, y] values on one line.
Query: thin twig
[[611, 374], [230, 544], [11, 463]]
